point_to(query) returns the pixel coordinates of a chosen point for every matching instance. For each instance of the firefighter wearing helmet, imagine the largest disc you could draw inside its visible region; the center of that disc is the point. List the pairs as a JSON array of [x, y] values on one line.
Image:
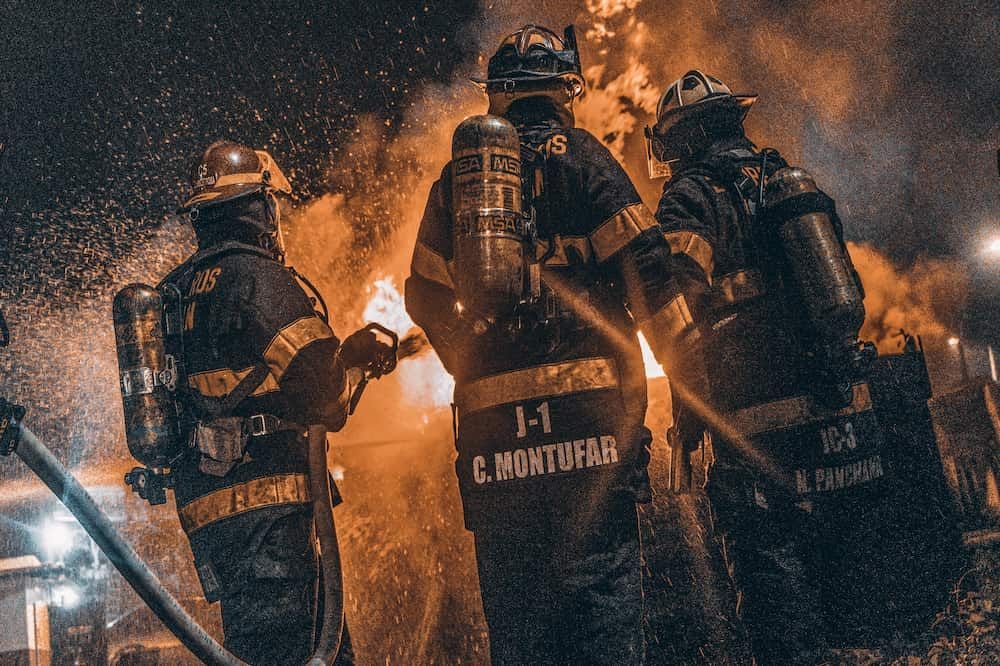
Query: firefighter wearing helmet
[[526, 278], [764, 332], [262, 365]]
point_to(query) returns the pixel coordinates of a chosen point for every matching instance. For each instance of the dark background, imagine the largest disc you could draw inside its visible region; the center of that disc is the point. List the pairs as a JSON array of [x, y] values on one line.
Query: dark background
[[104, 104]]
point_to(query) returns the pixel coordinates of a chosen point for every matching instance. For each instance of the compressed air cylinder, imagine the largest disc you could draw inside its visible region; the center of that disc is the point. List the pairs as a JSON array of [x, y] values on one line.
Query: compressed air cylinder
[[148, 377], [820, 268], [489, 230]]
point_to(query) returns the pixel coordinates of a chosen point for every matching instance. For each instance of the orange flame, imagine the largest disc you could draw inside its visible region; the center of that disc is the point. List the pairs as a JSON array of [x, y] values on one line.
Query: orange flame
[[424, 380]]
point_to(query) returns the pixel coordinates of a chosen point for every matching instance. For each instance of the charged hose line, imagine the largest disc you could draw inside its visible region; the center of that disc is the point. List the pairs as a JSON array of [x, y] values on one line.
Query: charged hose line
[[69, 491], [332, 627]]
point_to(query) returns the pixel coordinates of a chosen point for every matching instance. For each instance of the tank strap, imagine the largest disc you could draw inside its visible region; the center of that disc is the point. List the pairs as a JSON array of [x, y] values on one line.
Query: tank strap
[[316, 298]]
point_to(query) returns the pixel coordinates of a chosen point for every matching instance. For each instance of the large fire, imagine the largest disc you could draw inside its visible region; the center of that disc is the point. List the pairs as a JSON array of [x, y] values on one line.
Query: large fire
[[410, 575], [424, 380]]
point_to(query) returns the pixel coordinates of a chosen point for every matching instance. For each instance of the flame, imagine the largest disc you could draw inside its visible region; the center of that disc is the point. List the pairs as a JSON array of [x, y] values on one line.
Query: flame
[[423, 379], [385, 306], [653, 367]]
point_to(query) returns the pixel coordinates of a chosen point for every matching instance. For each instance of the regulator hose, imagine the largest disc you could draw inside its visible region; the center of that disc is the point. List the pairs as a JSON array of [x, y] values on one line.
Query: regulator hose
[[329, 644], [75, 497]]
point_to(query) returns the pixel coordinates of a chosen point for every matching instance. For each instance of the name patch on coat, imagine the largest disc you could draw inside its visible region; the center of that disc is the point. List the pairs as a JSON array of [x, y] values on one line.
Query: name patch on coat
[[545, 459]]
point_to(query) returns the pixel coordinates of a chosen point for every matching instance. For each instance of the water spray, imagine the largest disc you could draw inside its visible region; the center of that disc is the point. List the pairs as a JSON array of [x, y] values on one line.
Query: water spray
[[79, 502], [17, 439]]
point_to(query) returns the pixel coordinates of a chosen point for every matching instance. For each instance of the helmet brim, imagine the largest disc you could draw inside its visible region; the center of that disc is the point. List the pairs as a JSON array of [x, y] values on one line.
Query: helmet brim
[[741, 104], [526, 77], [218, 196]]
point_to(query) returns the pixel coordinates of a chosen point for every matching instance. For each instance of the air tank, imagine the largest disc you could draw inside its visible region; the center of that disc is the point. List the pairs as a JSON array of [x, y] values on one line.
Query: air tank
[[819, 265], [148, 377], [489, 234]]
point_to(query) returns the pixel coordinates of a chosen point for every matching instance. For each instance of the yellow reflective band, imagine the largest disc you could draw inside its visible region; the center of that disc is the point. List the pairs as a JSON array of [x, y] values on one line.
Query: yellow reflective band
[[559, 257], [618, 230], [239, 179], [796, 411], [243, 497], [740, 286], [542, 381], [672, 320], [220, 383], [694, 246], [291, 340], [430, 265]]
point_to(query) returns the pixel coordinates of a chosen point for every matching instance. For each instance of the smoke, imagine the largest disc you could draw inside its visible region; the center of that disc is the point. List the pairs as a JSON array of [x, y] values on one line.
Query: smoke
[[901, 135], [923, 300]]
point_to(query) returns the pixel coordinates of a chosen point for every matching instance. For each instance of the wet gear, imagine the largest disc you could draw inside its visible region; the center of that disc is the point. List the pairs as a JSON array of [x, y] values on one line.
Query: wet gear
[[260, 359], [151, 365], [229, 170], [550, 401], [492, 237], [584, 604], [805, 518], [694, 112]]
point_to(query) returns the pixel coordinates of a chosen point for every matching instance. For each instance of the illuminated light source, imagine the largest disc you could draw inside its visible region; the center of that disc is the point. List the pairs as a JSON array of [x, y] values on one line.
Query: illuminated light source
[[424, 379], [65, 596], [992, 247], [57, 539], [953, 341], [653, 367]]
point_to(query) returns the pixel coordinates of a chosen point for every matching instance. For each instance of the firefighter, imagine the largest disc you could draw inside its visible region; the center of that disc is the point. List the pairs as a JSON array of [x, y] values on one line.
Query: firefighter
[[766, 337], [550, 386], [262, 365]]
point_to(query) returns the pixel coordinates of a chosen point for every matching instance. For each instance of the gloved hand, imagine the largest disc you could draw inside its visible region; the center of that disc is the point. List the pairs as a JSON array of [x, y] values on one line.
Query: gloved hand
[[362, 349], [652, 259]]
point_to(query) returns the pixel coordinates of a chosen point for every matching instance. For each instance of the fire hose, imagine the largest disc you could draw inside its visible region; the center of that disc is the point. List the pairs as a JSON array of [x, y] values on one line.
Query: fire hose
[[332, 627], [149, 588], [16, 438]]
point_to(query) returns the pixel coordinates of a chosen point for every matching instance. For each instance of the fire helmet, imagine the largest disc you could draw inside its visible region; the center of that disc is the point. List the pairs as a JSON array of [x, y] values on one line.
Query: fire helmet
[[534, 62], [228, 170], [688, 101]]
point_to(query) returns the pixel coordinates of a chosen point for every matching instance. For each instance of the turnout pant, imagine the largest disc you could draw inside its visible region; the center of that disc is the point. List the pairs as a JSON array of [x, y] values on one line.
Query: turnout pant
[[766, 543], [564, 592], [265, 566]]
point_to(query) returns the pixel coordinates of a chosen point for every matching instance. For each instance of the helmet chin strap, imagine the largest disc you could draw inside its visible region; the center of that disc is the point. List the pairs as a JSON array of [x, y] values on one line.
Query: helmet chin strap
[[271, 240]]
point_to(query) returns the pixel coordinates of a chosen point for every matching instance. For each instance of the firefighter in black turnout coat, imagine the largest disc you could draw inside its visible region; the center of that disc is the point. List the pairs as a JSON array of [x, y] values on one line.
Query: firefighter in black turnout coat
[[262, 365], [550, 394], [764, 329]]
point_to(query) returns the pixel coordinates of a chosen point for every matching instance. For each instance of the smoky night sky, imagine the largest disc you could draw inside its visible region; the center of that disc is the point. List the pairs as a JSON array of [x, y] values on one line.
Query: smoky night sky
[[105, 105]]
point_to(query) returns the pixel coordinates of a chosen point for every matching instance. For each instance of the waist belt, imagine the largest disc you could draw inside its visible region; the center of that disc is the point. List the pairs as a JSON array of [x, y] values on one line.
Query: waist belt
[[796, 411], [234, 500], [267, 424], [541, 381]]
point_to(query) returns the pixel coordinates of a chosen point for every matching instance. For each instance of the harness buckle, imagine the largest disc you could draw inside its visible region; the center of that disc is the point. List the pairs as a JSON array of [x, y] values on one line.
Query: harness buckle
[[258, 425]]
